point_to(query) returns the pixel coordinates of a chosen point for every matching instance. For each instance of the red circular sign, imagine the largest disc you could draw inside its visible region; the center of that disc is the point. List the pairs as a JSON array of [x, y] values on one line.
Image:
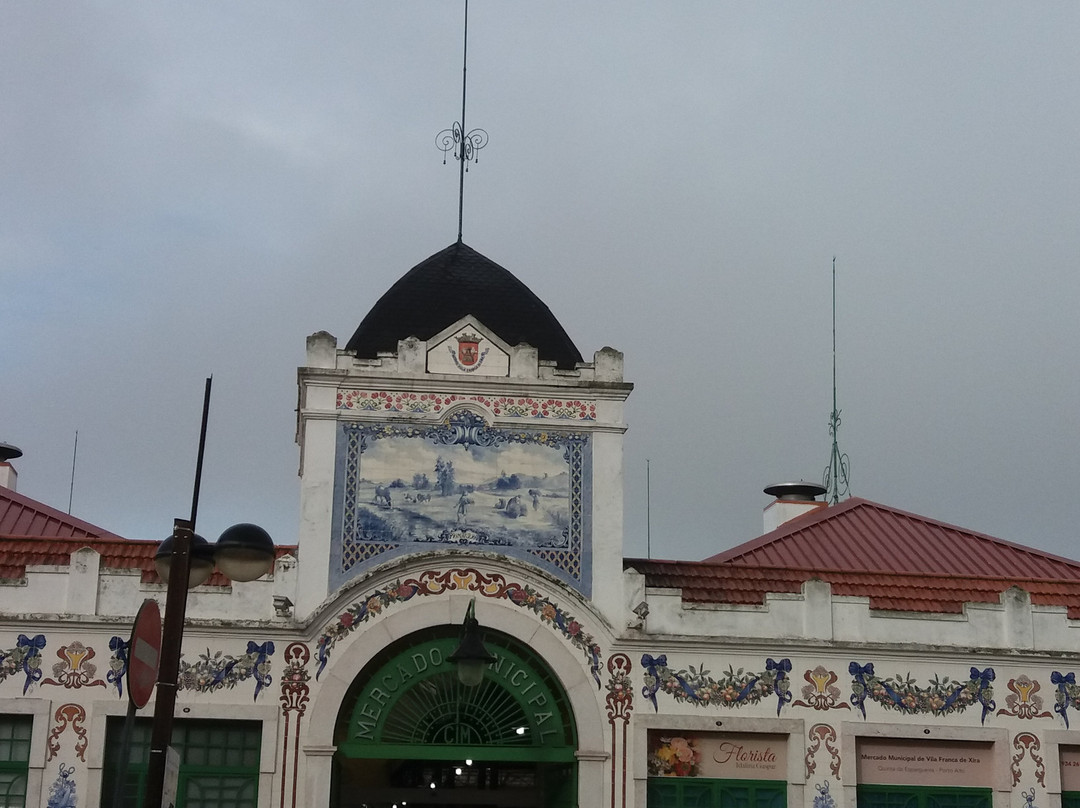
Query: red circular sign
[[143, 653]]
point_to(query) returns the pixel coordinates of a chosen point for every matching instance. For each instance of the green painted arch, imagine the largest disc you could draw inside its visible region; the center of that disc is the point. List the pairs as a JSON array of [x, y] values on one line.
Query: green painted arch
[[407, 703]]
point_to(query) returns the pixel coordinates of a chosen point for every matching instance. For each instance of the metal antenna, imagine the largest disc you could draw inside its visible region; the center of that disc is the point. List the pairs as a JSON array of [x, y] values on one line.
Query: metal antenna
[[648, 511], [202, 451], [74, 454], [835, 479], [463, 144]]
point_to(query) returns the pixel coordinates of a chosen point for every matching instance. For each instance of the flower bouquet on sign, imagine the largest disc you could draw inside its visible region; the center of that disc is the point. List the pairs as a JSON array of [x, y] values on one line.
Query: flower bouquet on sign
[[674, 757]]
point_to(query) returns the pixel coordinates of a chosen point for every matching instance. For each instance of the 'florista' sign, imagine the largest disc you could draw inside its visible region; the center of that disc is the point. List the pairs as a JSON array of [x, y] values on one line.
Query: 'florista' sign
[[718, 754]]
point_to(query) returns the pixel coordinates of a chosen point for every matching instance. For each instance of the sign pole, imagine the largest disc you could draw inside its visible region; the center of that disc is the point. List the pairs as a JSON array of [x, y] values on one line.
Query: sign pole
[[144, 649], [125, 754]]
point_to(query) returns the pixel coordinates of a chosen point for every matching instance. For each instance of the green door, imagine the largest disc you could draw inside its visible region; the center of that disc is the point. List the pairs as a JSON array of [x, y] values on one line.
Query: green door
[[923, 797], [706, 792], [410, 733]]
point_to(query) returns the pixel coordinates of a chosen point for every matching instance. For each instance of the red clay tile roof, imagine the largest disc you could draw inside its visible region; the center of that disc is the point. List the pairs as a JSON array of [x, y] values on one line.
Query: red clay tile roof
[[704, 582], [899, 560], [23, 517], [32, 533], [116, 554], [859, 535]]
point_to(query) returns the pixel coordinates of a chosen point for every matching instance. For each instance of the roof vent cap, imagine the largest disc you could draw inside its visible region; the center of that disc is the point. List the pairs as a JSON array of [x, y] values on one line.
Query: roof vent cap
[[9, 452], [796, 492]]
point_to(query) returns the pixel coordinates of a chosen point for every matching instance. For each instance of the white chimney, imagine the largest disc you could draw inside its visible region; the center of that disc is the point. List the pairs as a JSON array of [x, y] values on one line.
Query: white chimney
[[792, 500], [8, 475]]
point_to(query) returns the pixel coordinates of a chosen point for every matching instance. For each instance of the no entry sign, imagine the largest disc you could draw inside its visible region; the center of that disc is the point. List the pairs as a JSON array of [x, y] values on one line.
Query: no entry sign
[[144, 653]]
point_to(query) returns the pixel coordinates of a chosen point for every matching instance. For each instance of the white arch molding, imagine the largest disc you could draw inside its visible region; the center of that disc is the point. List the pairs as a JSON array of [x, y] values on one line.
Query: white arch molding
[[352, 654]]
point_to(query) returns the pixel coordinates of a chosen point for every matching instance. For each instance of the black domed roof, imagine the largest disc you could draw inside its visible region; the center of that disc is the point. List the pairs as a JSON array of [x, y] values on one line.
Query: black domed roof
[[451, 284]]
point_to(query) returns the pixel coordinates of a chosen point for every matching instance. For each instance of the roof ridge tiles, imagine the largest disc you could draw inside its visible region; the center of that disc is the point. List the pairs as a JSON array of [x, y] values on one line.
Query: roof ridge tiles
[[759, 571]]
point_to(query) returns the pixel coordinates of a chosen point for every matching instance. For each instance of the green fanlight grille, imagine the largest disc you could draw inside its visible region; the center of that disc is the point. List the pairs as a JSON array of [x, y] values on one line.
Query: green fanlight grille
[[441, 710], [409, 703]]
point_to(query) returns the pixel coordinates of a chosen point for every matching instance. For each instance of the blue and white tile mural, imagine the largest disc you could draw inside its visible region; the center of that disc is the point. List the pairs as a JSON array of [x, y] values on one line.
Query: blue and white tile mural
[[459, 483]]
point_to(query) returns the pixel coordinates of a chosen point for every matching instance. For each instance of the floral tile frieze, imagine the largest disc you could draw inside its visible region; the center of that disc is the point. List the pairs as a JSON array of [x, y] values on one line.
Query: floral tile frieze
[[941, 697], [733, 688], [436, 582], [216, 670], [432, 403]]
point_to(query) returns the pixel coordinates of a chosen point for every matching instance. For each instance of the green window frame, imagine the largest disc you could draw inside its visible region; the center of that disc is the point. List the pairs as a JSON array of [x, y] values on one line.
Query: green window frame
[[871, 796], [1070, 799], [15, 731], [708, 792], [219, 763]]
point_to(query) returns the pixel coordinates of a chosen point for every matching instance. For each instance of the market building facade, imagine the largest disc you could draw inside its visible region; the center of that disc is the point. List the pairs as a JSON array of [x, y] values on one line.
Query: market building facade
[[458, 453]]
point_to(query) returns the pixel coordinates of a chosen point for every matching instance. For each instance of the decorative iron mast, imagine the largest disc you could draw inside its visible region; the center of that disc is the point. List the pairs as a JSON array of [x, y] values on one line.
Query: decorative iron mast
[[835, 478], [457, 140]]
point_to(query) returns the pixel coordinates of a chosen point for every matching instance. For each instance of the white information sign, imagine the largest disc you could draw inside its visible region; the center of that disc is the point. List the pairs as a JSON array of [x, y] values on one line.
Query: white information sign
[[172, 778], [924, 763]]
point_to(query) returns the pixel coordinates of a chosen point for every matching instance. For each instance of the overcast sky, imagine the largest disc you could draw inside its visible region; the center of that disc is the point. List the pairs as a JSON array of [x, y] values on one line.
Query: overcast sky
[[193, 188]]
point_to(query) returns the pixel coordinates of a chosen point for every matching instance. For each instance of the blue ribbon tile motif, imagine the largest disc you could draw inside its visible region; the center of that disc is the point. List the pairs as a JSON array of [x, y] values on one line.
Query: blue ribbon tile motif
[[25, 657], [118, 663], [732, 689], [941, 697], [31, 658], [781, 685], [1068, 694], [62, 790], [215, 671], [261, 669]]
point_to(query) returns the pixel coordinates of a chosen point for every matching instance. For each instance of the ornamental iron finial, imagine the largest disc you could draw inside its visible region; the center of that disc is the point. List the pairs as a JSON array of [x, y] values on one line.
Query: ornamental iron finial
[[835, 478], [461, 143]]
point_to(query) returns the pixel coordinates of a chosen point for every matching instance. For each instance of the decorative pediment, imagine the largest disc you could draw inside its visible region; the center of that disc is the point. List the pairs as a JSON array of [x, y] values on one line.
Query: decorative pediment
[[468, 348]]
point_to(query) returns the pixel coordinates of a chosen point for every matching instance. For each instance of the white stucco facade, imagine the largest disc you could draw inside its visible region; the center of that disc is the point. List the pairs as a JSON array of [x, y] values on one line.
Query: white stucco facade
[[812, 687]]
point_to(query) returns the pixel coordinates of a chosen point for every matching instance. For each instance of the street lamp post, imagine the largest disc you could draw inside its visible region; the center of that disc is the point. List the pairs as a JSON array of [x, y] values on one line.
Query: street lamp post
[[172, 635], [243, 552]]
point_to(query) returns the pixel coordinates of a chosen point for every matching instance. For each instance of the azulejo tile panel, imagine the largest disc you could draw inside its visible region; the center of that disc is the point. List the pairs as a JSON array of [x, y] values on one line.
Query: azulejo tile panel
[[62, 791], [461, 483]]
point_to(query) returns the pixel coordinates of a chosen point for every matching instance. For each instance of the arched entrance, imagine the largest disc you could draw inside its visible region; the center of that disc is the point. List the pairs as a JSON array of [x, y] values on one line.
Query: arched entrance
[[410, 734]]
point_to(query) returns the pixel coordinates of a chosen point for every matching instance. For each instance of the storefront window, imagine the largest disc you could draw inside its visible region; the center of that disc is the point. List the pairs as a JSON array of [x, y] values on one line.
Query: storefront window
[[14, 759], [219, 763]]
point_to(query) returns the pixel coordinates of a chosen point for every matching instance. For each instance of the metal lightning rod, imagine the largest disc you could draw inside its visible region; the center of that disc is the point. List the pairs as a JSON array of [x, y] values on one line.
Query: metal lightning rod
[[835, 479], [456, 140], [74, 455]]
